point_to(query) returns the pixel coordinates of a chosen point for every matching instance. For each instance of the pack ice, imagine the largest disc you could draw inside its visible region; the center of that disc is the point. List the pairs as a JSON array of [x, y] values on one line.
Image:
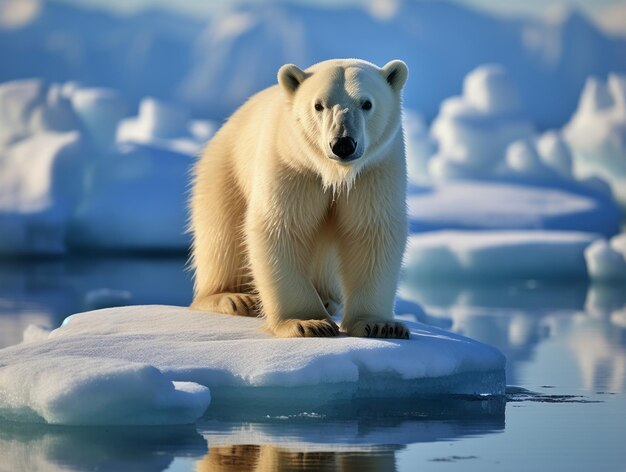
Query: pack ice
[[156, 364]]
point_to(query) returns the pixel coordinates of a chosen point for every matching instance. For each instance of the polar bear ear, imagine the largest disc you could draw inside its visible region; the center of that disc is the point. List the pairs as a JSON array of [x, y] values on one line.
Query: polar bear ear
[[395, 73], [290, 77]]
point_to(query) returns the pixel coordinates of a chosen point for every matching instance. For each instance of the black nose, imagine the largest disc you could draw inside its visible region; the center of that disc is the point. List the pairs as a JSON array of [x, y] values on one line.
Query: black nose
[[343, 147]]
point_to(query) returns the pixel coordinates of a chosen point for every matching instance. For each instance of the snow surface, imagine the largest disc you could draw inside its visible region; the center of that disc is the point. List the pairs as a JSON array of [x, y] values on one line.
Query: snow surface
[[500, 205], [597, 132], [94, 368], [477, 255]]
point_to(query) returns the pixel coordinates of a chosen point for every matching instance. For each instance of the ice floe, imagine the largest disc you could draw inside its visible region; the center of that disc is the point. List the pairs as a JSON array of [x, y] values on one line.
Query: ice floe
[[501, 205], [486, 254], [153, 364]]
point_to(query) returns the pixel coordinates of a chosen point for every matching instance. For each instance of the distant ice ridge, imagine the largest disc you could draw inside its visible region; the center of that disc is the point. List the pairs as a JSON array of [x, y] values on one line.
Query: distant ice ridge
[[93, 369], [68, 174], [493, 205], [529, 254], [597, 133], [484, 135], [510, 254]]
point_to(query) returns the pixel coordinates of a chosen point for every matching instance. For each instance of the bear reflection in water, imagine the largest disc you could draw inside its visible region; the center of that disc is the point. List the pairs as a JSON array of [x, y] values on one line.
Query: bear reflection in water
[[266, 458]]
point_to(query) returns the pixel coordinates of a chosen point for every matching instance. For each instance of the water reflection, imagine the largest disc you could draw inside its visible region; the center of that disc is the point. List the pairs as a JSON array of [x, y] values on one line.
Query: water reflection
[[45, 292], [48, 448], [268, 458], [354, 436], [518, 317]]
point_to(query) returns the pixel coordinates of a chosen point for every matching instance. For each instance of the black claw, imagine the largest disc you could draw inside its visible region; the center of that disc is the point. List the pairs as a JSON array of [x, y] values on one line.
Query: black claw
[[301, 329], [233, 304], [375, 331], [368, 330], [383, 331]]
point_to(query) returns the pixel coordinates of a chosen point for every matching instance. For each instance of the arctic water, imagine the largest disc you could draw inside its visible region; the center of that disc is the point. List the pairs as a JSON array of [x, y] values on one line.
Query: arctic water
[[565, 407]]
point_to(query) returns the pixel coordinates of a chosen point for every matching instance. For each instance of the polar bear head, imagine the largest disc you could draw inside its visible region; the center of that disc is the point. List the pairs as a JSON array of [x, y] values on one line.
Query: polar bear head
[[346, 114]]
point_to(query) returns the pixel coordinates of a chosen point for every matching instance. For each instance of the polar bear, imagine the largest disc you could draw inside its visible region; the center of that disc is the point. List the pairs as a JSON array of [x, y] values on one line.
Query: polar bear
[[298, 203]]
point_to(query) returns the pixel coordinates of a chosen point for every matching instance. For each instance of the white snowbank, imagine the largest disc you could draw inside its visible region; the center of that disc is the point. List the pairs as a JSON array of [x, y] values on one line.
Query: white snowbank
[[100, 111], [65, 179], [165, 125], [136, 200], [555, 152], [83, 390], [484, 254], [40, 182], [597, 132], [493, 205], [522, 159], [96, 362], [606, 260], [18, 99], [473, 130]]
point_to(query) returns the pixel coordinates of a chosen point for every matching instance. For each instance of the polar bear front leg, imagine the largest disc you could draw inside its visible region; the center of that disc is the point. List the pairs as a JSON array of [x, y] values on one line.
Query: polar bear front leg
[[369, 269], [371, 231], [280, 250]]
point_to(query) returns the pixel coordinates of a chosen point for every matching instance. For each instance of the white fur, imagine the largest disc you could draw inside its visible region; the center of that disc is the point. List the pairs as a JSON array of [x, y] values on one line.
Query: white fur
[[278, 220]]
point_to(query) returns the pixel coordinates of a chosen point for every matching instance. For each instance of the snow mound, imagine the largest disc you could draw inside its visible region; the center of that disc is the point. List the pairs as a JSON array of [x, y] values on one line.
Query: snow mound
[[100, 110], [40, 182], [66, 182], [597, 132], [493, 205], [93, 368], [136, 200], [164, 125], [18, 99], [83, 390], [474, 130], [555, 152], [606, 260], [485, 254], [523, 160]]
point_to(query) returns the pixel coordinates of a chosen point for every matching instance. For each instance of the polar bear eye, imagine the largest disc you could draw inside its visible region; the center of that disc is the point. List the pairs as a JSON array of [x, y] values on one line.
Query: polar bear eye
[[318, 107], [367, 105]]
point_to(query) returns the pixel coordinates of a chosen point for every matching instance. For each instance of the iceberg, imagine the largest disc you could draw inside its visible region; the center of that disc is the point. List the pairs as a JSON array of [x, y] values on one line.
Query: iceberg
[[481, 205], [606, 260], [597, 133], [487, 254], [474, 130], [156, 364], [165, 125]]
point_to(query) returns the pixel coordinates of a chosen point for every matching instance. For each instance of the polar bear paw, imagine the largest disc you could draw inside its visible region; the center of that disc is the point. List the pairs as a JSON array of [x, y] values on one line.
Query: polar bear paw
[[241, 304], [378, 329], [305, 329]]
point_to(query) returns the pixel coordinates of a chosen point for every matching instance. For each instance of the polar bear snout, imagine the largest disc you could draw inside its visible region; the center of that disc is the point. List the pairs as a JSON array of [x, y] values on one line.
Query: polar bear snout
[[344, 148]]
